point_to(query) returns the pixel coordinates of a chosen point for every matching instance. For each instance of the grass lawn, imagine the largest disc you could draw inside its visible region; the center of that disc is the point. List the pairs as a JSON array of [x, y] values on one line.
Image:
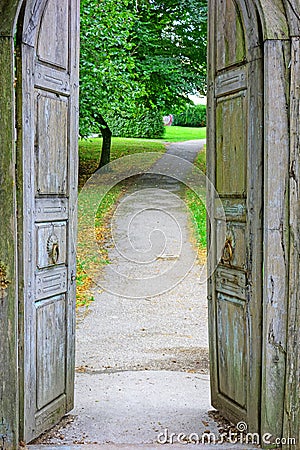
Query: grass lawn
[[89, 155], [198, 211], [179, 134], [89, 152]]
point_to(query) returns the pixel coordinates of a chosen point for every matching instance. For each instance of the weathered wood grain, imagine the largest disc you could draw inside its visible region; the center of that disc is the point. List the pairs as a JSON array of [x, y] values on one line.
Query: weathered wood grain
[[56, 24], [292, 395], [273, 18], [230, 48], [47, 157], [276, 234], [8, 297], [235, 113], [292, 8]]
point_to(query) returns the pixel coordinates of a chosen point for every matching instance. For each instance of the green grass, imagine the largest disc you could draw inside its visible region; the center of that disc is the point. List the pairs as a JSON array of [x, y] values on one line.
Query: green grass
[[88, 264], [89, 155], [198, 211], [178, 134], [90, 148]]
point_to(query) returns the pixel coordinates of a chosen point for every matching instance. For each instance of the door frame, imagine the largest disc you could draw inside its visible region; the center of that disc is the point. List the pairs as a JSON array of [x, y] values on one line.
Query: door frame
[[275, 20]]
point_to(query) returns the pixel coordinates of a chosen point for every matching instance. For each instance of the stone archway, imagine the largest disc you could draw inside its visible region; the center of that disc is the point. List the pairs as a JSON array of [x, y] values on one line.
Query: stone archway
[[280, 338]]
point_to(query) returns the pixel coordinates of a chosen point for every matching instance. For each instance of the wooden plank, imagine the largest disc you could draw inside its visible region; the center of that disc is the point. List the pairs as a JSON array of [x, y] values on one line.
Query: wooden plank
[[232, 364], [51, 350], [51, 155], [254, 207], [231, 123], [231, 282], [211, 160], [273, 18], [73, 189], [51, 79], [8, 297], [276, 239], [292, 400], [50, 282], [231, 48], [27, 242], [55, 23], [232, 81], [292, 8]]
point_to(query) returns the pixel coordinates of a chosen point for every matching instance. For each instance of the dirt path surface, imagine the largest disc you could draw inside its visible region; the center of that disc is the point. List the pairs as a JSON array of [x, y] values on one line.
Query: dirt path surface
[[142, 347]]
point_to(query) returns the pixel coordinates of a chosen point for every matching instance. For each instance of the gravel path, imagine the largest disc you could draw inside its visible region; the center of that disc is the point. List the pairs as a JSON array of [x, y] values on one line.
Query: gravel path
[[142, 347], [126, 329]]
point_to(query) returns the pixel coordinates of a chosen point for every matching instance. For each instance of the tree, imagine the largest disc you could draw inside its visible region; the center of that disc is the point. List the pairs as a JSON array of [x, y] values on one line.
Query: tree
[[170, 50], [106, 67], [144, 52]]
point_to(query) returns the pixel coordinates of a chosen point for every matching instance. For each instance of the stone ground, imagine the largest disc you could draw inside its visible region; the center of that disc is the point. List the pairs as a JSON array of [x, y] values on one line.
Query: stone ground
[[142, 368]]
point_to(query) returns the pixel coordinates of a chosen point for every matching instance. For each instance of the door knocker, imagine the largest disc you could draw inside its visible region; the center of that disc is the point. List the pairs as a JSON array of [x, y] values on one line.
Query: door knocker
[[227, 255], [53, 248]]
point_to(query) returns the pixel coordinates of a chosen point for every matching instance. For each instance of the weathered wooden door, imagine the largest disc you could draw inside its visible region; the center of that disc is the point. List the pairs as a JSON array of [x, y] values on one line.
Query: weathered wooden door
[[235, 168], [47, 97]]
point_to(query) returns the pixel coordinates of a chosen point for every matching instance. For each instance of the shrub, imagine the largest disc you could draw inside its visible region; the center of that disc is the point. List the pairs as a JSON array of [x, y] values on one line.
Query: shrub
[[191, 116], [140, 123]]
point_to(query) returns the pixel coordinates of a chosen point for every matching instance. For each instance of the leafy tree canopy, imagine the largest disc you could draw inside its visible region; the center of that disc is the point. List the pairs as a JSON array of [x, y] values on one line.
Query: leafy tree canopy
[[139, 52], [170, 50]]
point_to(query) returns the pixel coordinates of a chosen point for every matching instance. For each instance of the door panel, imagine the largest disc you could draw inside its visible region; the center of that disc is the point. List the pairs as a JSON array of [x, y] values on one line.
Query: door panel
[[235, 169], [231, 47], [51, 143], [232, 347], [231, 120], [54, 25], [51, 349], [48, 109]]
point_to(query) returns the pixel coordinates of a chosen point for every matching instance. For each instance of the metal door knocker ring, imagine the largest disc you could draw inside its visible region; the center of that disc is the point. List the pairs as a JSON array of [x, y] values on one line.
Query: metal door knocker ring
[[227, 255], [53, 248]]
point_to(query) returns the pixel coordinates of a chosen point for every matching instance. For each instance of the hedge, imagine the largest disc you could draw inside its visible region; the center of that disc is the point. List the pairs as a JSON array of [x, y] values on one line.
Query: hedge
[[191, 116], [141, 123]]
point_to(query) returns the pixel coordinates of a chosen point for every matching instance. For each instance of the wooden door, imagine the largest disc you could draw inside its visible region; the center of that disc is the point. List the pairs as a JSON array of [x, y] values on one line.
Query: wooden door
[[47, 104], [235, 169]]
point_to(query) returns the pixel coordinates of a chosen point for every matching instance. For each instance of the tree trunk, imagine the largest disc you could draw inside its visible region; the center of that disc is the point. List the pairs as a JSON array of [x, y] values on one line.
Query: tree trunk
[[106, 144]]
